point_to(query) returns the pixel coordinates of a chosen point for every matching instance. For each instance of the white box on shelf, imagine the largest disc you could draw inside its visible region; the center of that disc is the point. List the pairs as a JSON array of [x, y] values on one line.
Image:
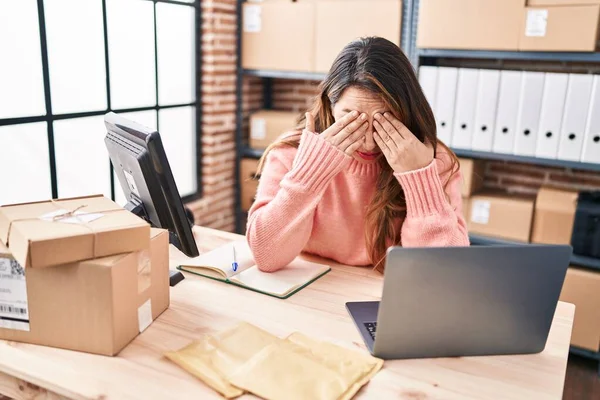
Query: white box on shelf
[[574, 121], [553, 103], [428, 78], [591, 141], [485, 110], [528, 117], [445, 100], [506, 115], [464, 114]]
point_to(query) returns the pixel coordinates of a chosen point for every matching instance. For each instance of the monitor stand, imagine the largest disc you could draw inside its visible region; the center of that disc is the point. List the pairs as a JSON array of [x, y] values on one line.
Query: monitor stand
[[136, 207]]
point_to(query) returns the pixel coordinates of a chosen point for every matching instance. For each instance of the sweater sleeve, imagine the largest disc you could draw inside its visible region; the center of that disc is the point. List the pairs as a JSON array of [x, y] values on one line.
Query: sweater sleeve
[[434, 215], [281, 219]]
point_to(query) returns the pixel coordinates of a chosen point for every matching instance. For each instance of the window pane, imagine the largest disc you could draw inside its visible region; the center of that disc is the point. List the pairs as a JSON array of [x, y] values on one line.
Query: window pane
[[146, 118], [177, 132], [131, 53], [82, 163], [175, 33], [25, 161], [75, 34], [21, 79]]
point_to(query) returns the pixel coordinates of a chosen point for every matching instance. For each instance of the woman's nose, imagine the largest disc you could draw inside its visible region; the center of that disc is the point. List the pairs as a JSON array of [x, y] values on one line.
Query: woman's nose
[[370, 144]]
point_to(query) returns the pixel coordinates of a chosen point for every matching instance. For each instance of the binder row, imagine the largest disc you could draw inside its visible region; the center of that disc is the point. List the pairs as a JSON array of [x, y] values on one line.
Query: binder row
[[535, 114]]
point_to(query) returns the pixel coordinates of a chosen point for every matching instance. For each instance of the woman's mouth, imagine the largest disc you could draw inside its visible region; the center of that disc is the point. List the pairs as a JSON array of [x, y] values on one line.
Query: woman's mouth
[[368, 156]]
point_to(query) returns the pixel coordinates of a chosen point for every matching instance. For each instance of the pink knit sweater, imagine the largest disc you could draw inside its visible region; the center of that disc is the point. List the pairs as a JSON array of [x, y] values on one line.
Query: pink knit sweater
[[314, 199]]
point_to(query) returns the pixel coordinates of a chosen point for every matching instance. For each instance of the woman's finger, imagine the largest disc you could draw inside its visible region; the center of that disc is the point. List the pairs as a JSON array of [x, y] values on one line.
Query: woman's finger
[[399, 126], [310, 122], [384, 135], [356, 136], [381, 143], [349, 129], [354, 146], [340, 124]]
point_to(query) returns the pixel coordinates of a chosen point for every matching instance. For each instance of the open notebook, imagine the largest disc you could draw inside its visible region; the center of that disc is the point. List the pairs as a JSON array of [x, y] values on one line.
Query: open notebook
[[217, 264]]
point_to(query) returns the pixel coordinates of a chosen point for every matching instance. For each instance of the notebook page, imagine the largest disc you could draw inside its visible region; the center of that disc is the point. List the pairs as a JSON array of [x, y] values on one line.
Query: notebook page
[[221, 259], [280, 283]]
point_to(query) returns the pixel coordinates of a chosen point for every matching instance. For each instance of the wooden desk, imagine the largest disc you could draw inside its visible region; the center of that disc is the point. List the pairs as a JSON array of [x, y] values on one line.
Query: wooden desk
[[200, 306]]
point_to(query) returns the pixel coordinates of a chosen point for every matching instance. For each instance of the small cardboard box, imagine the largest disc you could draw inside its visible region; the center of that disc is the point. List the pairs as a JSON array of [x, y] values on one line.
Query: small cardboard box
[[248, 182], [95, 306], [502, 216], [278, 35], [268, 125], [338, 22], [582, 288], [554, 216], [560, 28], [466, 203], [473, 173], [49, 233], [470, 24]]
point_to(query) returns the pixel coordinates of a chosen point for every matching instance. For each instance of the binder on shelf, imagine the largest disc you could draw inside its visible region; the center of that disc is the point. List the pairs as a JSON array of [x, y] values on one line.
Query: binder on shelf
[[428, 77], [445, 99], [553, 103], [528, 116], [464, 114], [591, 141], [506, 115], [577, 104], [485, 110]]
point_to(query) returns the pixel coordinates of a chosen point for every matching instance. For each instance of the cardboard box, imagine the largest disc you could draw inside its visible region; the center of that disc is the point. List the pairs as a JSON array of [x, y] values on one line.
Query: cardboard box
[[554, 216], [268, 125], [278, 35], [338, 22], [95, 306], [473, 173], [45, 233], [582, 288], [470, 24], [248, 182], [503, 216], [466, 204], [560, 28]]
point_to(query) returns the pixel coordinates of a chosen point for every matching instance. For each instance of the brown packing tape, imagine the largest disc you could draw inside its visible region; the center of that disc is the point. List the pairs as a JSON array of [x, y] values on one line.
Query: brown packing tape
[[144, 270], [62, 216]]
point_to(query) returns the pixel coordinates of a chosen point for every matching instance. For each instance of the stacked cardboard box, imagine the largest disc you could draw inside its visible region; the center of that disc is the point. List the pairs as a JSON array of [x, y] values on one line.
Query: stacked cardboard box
[[528, 25], [267, 125], [307, 35], [493, 214], [248, 182], [81, 274]]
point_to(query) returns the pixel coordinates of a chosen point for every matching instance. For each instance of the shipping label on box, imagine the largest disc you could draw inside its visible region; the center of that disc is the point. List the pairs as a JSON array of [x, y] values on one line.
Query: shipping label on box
[[14, 313], [480, 211], [537, 23], [252, 18]]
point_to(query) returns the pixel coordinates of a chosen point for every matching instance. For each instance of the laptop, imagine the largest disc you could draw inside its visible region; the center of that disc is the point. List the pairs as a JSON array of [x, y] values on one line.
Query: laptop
[[464, 301]]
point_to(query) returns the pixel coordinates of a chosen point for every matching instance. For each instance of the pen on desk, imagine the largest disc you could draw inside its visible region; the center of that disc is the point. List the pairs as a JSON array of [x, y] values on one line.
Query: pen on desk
[[234, 264]]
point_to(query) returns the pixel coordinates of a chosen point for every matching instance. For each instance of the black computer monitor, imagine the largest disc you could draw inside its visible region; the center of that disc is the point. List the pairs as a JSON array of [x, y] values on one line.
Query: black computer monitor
[[141, 166]]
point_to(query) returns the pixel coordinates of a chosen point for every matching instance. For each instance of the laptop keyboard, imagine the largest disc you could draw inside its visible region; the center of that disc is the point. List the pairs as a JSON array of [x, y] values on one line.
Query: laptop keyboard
[[371, 328]]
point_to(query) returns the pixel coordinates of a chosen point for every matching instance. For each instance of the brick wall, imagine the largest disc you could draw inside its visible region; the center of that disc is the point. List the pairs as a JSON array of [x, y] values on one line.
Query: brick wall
[[219, 24]]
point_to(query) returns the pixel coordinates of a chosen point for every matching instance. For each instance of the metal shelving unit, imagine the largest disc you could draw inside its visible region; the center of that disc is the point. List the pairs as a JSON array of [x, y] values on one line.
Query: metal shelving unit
[[430, 56], [510, 55]]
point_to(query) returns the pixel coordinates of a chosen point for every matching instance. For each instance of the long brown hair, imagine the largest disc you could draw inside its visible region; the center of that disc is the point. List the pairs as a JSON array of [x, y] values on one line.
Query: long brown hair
[[379, 66]]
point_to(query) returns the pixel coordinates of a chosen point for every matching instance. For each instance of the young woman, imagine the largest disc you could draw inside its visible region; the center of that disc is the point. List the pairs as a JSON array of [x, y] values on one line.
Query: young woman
[[367, 171]]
